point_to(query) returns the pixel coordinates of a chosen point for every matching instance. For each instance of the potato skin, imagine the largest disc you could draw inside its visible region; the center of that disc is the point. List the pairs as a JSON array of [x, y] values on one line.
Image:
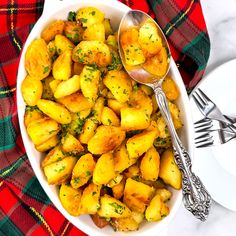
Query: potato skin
[[54, 110], [52, 30], [37, 59], [73, 31], [95, 32], [49, 144], [32, 115], [106, 139], [109, 117], [70, 199]]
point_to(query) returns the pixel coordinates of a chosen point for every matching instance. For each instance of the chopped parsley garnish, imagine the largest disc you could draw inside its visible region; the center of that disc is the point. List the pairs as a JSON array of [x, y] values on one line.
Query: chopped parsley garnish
[[71, 16], [45, 69], [118, 208], [84, 20], [80, 124]]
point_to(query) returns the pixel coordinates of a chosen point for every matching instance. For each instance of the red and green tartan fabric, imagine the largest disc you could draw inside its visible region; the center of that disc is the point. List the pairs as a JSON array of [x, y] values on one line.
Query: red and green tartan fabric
[[24, 207]]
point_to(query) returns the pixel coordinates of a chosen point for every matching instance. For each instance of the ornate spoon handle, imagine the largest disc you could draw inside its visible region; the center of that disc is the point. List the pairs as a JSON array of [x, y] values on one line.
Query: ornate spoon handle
[[195, 196]]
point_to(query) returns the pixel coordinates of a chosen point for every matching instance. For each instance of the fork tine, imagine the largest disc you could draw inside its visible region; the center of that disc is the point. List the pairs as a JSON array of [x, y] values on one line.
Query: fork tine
[[203, 125], [204, 140], [201, 97], [198, 101]]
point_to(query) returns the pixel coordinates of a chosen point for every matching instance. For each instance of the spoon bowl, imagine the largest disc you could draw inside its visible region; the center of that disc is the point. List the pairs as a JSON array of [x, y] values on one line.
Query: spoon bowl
[[195, 197]]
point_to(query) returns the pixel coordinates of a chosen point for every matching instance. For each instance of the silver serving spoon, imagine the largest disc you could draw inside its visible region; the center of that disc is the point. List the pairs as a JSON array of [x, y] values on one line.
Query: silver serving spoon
[[195, 197]]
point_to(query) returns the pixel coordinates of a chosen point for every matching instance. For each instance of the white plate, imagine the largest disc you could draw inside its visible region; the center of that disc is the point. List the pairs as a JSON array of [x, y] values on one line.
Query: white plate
[[216, 165], [55, 9]]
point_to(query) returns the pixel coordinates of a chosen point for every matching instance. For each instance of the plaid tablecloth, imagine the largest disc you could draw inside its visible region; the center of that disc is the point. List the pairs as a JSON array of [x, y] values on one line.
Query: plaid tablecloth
[[24, 207]]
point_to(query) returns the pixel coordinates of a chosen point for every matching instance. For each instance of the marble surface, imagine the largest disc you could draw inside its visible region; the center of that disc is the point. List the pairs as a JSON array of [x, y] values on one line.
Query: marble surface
[[220, 18]]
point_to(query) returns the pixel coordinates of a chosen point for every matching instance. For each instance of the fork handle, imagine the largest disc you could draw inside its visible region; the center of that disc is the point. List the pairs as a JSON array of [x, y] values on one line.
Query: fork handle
[[195, 196]]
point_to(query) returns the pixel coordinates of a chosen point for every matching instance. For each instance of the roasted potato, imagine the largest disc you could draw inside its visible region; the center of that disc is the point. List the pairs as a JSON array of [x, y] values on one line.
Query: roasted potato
[[31, 90], [37, 59], [71, 144], [90, 199], [95, 32], [62, 44], [62, 66], [111, 207], [109, 117], [42, 129], [32, 114], [70, 199], [106, 139], [119, 83], [89, 16], [88, 130], [83, 171], [170, 88], [104, 169], [124, 224], [73, 31], [52, 30], [92, 52], [60, 171], [169, 171], [47, 145], [54, 110]]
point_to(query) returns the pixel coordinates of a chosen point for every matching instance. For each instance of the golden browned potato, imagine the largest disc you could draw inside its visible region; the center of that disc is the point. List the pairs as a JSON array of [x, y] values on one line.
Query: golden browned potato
[[47, 145], [82, 171], [140, 143], [76, 102], [95, 32], [92, 52], [109, 117], [67, 87], [89, 80], [54, 110], [89, 16], [116, 180], [88, 130], [37, 59], [121, 158], [137, 195], [61, 69], [54, 155], [73, 31], [118, 189], [104, 169], [43, 129], [71, 144], [132, 171], [112, 41], [119, 83], [31, 90], [170, 88], [52, 30], [53, 85], [115, 105], [149, 39], [62, 44], [60, 171], [129, 36], [133, 119], [111, 207], [164, 193], [70, 199], [153, 211], [124, 224], [90, 199], [169, 171], [158, 64], [149, 165], [106, 139], [32, 114], [52, 48]]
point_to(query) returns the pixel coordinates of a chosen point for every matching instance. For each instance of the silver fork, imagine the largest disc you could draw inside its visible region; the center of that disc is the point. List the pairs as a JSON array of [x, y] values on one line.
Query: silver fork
[[209, 108], [207, 124], [214, 137]]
